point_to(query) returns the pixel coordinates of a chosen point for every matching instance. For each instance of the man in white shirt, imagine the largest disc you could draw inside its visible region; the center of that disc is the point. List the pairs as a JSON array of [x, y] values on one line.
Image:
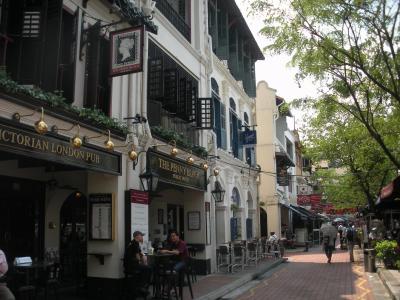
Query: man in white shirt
[[5, 293]]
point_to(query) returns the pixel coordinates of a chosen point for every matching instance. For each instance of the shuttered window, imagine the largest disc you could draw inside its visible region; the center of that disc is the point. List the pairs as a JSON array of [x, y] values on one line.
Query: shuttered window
[[171, 85]]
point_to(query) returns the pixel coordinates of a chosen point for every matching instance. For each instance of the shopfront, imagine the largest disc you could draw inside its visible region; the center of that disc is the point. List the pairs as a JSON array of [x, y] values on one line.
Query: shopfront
[[45, 185], [179, 204]]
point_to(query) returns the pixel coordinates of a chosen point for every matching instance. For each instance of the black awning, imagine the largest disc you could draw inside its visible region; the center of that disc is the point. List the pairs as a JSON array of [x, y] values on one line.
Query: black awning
[[284, 158], [301, 214], [310, 214]]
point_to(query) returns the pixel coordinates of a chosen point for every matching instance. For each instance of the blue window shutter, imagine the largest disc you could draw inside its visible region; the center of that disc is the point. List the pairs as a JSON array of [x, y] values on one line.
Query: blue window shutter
[[240, 140], [234, 228], [249, 228], [223, 126], [217, 121]]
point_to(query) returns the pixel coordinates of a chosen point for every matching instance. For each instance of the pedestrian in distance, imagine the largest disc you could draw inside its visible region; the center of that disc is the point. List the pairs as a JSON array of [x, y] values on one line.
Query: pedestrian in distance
[[351, 236], [5, 293], [329, 233]]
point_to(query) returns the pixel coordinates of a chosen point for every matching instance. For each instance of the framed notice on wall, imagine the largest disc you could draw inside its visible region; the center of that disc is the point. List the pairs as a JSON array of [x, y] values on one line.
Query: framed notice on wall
[[101, 217], [193, 218]]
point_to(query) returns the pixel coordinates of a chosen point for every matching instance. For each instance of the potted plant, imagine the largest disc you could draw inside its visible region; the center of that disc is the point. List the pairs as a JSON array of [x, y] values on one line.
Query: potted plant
[[388, 252], [234, 207]]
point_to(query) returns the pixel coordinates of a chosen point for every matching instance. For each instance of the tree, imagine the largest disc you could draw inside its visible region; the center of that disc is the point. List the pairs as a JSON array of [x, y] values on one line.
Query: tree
[[351, 47], [358, 166]]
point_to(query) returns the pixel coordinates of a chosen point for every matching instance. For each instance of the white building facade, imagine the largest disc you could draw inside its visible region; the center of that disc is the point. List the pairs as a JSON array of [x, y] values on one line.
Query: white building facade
[[187, 107]]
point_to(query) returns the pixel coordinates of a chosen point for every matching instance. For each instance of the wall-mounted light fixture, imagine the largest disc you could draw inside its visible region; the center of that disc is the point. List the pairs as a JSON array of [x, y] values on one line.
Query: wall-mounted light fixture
[[40, 125], [218, 193], [108, 143], [76, 141], [149, 181]]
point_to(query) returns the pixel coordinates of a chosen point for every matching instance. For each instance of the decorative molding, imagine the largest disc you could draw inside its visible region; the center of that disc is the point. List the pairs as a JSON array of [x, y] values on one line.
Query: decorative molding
[[218, 63]]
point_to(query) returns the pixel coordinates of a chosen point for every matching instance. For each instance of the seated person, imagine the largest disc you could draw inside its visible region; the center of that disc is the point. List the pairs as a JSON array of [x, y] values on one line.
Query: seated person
[[179, 248], [135, 262], [5, 293]]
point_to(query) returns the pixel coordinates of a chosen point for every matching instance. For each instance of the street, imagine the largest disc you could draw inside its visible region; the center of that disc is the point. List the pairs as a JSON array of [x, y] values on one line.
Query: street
[[308, 276]]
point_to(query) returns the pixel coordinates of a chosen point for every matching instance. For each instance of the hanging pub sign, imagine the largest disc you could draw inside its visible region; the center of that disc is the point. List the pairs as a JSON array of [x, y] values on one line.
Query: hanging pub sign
[[126, 51], [249, 137]]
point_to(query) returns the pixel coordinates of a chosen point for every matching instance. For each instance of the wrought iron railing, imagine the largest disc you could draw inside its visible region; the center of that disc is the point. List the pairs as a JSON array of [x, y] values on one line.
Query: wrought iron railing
[[175, 18], [160, 117]]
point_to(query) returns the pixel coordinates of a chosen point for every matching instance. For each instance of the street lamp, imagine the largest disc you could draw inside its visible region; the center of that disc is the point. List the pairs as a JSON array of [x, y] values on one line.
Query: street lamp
[[218, 193], [149, 181]]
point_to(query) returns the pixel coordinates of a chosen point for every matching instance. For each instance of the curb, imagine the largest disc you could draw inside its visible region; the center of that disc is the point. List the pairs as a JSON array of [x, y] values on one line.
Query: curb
[[241, 281], [390, 282]]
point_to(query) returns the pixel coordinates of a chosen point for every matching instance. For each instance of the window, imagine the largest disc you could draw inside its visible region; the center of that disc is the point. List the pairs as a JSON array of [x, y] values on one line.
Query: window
[[219, 116], [97, 81], [44, 41], [289, 148], [171, 85], [246, 119], [236, 128]]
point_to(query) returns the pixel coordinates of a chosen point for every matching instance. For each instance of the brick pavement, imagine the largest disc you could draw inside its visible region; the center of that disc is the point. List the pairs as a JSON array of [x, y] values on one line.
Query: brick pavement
[[307, 276]]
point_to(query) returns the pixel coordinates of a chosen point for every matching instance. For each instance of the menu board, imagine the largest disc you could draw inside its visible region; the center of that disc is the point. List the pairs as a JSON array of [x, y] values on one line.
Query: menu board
[[139, 212], [101, 207]]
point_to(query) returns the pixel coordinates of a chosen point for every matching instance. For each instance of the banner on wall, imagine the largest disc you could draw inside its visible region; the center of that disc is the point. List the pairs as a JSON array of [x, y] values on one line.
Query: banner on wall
[[137, 213]]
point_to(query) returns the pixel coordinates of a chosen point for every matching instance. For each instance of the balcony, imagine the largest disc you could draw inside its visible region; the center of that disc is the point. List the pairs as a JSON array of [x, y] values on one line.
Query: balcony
[[175, 18], [166, 126]]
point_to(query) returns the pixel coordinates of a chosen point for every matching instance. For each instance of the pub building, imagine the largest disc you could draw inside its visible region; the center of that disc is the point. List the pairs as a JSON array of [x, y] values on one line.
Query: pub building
[[69, 189]]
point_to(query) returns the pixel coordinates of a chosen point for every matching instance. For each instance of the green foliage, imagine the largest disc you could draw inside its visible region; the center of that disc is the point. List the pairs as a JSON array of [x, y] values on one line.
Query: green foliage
[[179, 138], [56, 100], [389, 252], [284, 110], [234, 207], [349, 49], [359, 167]]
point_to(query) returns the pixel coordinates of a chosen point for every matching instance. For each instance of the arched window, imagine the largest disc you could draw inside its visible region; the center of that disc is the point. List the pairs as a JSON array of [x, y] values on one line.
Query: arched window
[[214, 86], [236, 197], [246, 118], [232, 104]]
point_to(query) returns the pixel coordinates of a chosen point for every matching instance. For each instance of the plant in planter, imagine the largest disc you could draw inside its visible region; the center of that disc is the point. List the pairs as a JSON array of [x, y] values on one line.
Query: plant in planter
[[262, 203], [388, 252], [234, 207]]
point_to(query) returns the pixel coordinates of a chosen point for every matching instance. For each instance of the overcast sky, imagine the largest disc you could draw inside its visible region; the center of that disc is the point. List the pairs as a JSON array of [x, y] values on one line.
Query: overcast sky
[[274, 69]]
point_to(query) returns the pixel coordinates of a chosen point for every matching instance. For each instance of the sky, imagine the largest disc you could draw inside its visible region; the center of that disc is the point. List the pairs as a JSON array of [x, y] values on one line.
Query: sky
[[274, 69]]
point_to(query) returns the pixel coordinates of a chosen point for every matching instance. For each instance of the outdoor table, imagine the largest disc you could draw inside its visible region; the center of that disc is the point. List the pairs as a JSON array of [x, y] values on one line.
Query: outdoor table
[[155, 261], [33, 267]]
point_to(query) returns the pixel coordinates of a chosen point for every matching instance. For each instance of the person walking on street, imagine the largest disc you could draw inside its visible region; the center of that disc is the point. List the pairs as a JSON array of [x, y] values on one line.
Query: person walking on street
[[350, 236], [329, 233], [5, 293]]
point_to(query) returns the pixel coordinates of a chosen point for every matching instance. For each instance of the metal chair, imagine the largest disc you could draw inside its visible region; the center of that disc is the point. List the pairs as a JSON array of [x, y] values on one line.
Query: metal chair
[[237, 257], [223, 258], [252, 253]]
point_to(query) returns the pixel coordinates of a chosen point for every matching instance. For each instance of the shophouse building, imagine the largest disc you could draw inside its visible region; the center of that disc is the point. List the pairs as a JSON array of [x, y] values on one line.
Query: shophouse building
[[119, 116]]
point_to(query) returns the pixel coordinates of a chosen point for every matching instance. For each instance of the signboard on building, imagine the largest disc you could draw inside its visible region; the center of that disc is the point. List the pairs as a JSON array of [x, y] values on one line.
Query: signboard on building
[[176, 171], [22, 140], [303, 200], [249, 137], [137, 213], [126, 51]]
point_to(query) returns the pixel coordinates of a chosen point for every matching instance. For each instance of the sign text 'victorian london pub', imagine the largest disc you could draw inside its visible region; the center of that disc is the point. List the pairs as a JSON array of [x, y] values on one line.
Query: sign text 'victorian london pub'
[[176, 171], [24, 141]]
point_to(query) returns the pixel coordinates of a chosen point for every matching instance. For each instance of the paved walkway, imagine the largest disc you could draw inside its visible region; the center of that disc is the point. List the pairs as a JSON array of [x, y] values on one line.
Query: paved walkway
[[307, 276]]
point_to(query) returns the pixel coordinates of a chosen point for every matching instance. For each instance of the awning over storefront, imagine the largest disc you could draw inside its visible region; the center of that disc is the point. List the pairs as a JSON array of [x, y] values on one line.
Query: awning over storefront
[[302, 215], [389, 196]]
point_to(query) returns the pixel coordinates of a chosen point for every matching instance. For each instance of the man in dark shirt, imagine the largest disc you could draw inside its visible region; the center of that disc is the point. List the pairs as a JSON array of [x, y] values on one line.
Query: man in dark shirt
[[179, 248], [135, 262]]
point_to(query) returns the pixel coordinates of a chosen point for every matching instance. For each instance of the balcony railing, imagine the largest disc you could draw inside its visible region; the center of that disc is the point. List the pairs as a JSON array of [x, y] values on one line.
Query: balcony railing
[[160, 117], [175, 18]]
